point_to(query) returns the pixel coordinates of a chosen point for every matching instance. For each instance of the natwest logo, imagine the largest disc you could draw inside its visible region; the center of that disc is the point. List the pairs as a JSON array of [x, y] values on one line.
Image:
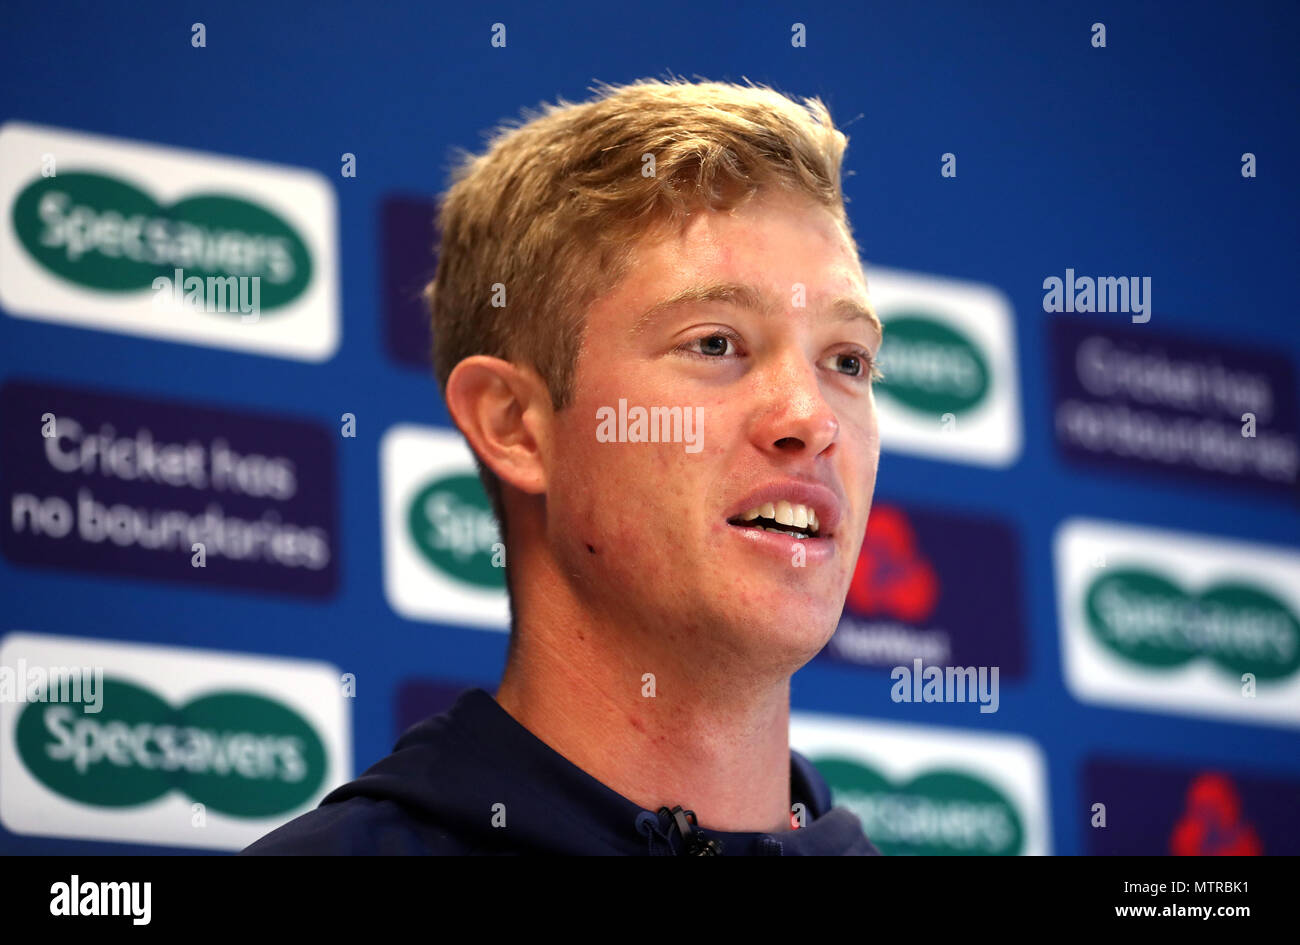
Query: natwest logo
[[941, 587], [1212, 822], [1176, 809], [892, 578]]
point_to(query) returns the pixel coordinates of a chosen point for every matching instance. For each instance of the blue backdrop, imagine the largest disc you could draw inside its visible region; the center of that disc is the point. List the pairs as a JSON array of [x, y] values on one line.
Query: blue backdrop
[[1117, 160]]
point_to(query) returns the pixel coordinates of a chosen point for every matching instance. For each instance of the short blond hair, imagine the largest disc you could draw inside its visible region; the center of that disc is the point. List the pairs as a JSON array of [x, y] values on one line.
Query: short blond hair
[[552, 209]]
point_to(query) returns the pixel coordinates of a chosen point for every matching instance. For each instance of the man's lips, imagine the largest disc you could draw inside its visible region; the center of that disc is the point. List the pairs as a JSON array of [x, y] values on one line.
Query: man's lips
[[798, 552], [819, 499]]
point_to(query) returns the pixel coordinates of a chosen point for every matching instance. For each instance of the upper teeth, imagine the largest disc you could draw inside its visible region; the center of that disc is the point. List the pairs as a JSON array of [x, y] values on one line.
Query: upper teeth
[[784, 513]]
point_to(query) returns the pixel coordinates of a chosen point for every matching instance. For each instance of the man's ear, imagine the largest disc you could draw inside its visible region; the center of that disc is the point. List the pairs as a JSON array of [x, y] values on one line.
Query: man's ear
[[505, 413]]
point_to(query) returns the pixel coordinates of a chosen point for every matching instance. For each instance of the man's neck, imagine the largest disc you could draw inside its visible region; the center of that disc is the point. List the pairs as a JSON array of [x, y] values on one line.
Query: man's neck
[[650, 722]]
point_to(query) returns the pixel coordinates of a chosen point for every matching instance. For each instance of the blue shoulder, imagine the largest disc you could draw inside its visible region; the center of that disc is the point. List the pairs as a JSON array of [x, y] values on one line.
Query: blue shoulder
[[357, 826]]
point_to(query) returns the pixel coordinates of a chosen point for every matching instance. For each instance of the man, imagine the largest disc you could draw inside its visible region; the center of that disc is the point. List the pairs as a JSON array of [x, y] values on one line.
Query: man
[[653, 328]]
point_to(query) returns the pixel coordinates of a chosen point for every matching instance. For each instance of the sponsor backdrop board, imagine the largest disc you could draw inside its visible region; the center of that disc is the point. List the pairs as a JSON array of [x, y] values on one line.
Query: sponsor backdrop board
[[229, 483], [164, 745]]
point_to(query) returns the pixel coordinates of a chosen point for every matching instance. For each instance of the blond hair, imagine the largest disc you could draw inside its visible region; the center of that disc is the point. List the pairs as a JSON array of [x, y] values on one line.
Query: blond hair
[[552, 209]]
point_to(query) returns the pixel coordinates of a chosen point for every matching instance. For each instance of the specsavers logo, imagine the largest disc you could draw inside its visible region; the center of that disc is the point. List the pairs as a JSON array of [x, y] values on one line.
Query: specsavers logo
[[1175, 622], [1151, 621], [930, 791], [444, 560], [236, 752], [103, 233], [95, 228], [950, 389], [939, 813], [931, 368], [188, 747], [452, 524]]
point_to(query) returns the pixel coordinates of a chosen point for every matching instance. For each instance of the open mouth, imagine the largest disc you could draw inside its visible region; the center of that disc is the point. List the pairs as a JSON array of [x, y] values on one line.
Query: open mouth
[[785, 518]]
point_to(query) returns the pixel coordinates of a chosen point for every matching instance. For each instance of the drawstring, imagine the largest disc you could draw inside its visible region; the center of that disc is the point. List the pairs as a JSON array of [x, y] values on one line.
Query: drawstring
[[696, 843], [648, 824], [651, 825]]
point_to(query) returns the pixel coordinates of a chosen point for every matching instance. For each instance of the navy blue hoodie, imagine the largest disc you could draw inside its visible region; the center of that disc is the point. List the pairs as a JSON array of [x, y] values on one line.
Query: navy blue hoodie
[[436, 794]]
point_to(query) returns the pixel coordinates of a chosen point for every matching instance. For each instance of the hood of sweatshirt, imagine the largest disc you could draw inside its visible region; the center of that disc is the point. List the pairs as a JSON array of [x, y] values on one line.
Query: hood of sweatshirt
[[439, 791]]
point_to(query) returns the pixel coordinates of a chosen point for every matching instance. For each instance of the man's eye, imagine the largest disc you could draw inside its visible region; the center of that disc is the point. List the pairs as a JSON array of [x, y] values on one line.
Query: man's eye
[[712, 345], [856, 364]]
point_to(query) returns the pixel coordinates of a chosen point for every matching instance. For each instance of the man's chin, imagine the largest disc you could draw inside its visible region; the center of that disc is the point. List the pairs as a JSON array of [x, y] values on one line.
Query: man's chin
[[786, 638]]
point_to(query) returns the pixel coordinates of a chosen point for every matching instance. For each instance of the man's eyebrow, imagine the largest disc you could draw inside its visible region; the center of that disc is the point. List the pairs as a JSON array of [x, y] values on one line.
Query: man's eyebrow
[[747, 296], [847, 309], [736, 293]]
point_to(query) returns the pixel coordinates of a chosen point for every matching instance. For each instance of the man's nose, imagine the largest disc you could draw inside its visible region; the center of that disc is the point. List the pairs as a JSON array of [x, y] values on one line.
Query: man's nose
[[797, 418]]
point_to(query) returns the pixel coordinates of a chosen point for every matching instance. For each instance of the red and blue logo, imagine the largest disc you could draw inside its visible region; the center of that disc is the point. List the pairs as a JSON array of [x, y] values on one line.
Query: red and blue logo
[[942, 587]]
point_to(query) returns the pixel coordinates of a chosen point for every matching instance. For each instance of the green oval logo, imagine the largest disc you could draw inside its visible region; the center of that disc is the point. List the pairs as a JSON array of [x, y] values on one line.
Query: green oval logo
[[937, 813], [102, 233], [452, 524], [238, 753], [89, 758], [929, 367], [1147, 619]]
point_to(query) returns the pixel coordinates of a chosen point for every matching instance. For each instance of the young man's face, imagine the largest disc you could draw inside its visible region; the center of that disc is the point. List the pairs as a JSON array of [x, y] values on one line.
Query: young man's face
[[656, 531]]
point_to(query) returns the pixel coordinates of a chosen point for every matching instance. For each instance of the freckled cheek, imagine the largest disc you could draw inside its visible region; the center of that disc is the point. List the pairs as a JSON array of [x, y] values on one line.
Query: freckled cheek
[[651, 495], [861, 437], [615, 492], [657, 503], [859, 458], [668, 479]]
